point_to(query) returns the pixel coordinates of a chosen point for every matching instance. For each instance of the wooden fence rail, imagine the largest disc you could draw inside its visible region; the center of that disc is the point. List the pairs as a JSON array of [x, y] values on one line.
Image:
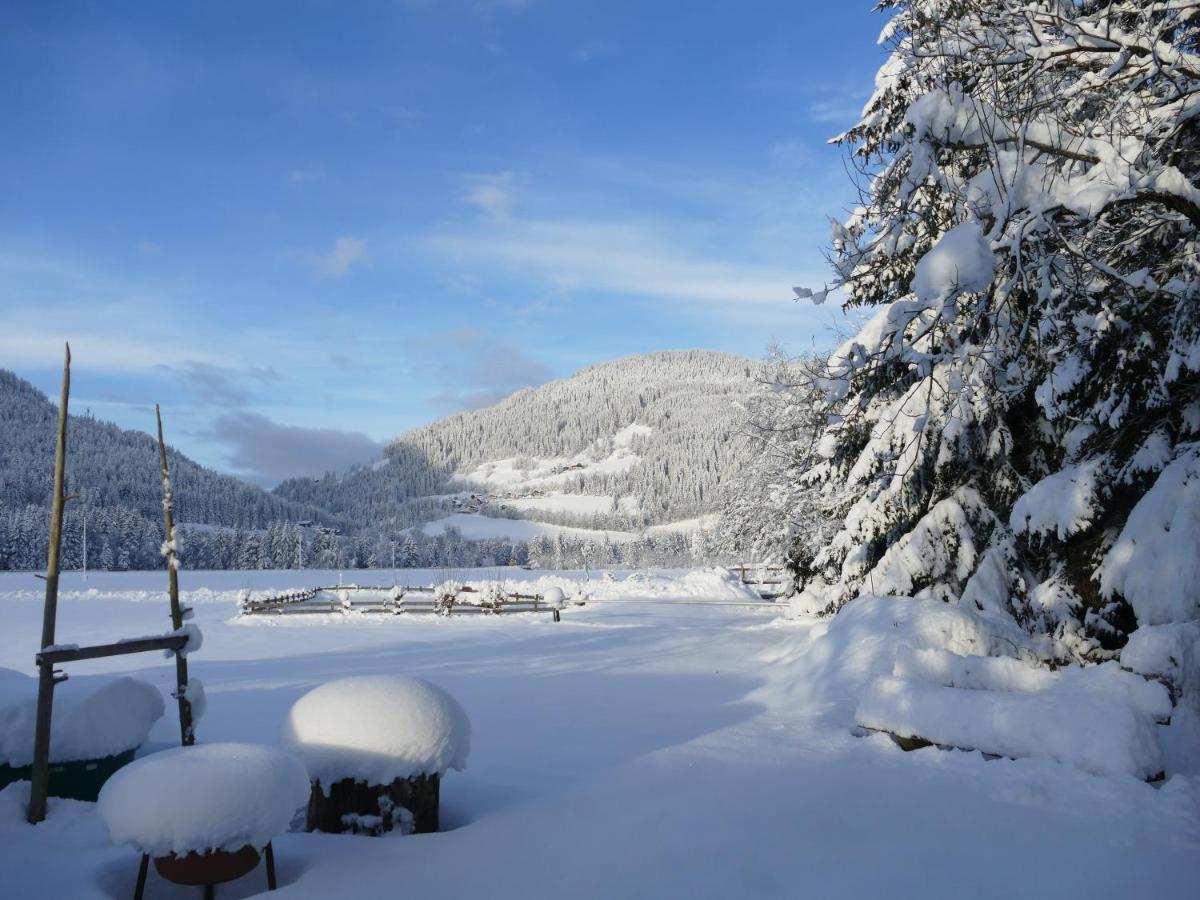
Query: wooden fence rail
[[420, 599]]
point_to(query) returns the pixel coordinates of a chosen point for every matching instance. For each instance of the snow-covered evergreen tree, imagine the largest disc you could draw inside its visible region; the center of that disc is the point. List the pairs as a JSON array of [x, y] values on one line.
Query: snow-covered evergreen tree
[[1018, 426], [774, 512]]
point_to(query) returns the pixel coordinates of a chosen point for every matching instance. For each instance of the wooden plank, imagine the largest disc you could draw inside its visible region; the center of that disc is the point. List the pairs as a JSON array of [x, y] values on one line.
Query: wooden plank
[[121, 648]]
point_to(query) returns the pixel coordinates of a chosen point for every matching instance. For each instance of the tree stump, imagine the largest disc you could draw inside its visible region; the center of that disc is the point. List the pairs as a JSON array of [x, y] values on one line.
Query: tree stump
[[409, 805]]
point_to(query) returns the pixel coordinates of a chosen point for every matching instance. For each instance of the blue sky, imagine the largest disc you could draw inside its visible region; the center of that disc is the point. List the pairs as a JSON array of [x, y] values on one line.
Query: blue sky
[[304, 227]]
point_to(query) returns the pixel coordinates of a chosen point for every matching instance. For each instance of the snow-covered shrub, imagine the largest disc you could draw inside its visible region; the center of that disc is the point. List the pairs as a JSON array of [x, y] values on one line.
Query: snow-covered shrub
[[489, 596], [1016, 426], [445, 595], [772, 512]]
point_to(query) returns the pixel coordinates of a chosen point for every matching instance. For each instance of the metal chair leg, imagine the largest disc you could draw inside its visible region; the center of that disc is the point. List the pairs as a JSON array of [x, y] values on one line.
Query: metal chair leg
[[270, 854], [141, 882]]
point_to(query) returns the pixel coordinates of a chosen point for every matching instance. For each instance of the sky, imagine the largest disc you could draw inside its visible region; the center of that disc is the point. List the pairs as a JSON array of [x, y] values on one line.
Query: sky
[[305, 227]]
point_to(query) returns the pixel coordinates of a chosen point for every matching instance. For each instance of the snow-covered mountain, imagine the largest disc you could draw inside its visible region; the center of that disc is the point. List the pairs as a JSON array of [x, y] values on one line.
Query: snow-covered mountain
[[115, 472], [640, 441], [633, 453]]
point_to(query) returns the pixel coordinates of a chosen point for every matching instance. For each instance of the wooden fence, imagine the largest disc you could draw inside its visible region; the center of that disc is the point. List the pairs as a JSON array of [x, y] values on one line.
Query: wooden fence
[[390, 601], [766, 581]]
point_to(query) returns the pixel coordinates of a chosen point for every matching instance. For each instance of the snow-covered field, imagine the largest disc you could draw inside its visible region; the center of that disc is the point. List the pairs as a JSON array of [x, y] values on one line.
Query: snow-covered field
[[651, 748], [476, 527]]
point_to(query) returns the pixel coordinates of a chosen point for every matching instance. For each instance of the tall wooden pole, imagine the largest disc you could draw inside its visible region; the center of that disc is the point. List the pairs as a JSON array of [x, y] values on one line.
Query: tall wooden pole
[[186, 731], [46, 678]]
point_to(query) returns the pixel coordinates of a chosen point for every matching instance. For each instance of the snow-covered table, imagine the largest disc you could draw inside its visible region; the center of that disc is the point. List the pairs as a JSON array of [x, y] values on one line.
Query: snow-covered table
[[98, 723], [376, 748], [204, 812]]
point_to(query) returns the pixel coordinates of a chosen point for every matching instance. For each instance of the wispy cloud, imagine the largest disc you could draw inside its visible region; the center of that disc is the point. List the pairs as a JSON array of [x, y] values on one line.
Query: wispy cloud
[[267, 451], [619, 257], [493, 195], [481, 368], [220, 386], [148, 247], [348, 251], [461, 401]]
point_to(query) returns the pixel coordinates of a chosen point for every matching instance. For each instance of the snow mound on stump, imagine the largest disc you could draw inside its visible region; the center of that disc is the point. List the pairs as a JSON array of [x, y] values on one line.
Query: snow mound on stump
[[377, 728], [94, 717], [207, 797]]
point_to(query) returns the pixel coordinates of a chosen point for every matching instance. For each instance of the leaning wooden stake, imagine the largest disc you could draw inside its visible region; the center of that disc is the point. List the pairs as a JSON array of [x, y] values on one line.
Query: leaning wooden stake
[[46, 675], [186, 732]]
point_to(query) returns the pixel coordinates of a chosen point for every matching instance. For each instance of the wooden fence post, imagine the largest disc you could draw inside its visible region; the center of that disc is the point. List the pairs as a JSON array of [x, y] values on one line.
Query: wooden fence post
[[187, 734], [46, 678]]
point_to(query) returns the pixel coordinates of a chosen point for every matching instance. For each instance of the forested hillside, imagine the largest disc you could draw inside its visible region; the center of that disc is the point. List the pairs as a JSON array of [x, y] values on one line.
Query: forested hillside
[[115, 472], [646, 438], [595, 459]]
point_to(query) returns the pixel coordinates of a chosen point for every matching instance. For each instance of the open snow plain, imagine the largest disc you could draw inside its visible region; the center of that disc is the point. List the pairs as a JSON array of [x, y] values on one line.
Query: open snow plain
[[651, 748]]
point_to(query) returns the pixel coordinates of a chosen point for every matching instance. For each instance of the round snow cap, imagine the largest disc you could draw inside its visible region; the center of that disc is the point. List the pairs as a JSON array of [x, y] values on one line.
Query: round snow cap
[[207, 797], [377, 728], [555, 598]]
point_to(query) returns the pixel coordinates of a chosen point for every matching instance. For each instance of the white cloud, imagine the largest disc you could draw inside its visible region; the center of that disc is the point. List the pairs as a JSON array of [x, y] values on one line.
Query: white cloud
[[268, 451], [492, 195], [623, 258], [21, 345], [148, 247], [348, 251]]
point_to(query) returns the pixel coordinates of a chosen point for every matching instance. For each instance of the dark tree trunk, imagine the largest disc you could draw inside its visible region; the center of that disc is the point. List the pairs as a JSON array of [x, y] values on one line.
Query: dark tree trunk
[[361, 808]]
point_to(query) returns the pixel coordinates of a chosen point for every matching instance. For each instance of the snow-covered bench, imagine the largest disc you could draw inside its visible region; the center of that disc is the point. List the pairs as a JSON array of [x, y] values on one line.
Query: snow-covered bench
[[1101, 719]]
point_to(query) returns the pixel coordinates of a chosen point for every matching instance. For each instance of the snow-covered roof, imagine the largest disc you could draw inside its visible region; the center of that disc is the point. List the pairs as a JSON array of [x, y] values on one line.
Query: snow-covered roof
[[377, 728]]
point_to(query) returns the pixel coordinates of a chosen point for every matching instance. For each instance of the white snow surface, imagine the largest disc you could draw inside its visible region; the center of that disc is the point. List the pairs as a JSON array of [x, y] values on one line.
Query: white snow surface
[[377, 728], [207, 797], [93, 717], [707, 748], [579, 504], [1168, 652], [516, 473], [924, 668], [1097, 733], [477, 527]]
